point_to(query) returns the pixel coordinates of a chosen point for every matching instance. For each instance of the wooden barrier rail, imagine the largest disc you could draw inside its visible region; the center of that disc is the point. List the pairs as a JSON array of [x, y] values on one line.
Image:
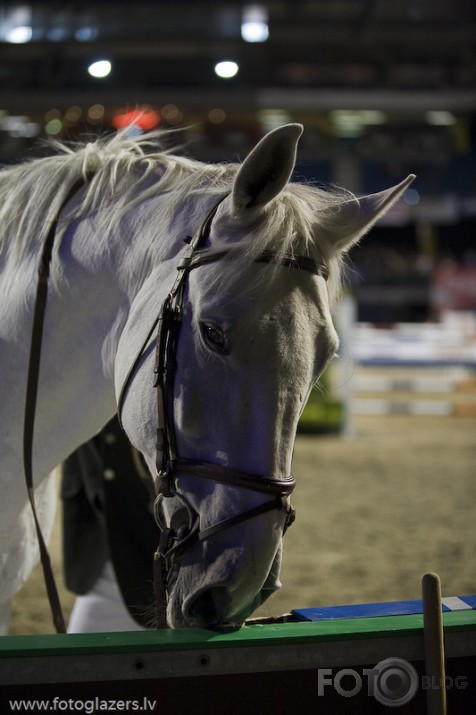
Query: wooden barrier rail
[[326, 665]]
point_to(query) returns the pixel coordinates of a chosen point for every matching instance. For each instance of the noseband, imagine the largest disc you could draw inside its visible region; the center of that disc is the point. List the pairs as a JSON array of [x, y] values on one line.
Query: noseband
[[169, 465]]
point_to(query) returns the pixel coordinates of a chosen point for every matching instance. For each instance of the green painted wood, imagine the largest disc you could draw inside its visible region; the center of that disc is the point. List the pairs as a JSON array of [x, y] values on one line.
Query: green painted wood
[[250, 635]]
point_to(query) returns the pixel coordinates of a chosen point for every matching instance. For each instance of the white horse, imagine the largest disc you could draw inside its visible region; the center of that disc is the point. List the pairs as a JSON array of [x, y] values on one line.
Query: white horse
[[255, 339]]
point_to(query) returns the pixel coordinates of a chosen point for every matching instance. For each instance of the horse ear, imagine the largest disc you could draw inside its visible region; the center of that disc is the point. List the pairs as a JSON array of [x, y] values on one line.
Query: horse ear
[[266, 170], [357, 216]]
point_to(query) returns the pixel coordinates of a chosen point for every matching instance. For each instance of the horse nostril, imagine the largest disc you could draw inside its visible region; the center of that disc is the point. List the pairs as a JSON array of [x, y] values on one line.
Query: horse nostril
[[208, 608]]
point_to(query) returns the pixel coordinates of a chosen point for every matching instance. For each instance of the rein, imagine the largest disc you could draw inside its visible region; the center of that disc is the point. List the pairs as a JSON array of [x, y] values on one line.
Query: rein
[[169, 465], [30, 405]]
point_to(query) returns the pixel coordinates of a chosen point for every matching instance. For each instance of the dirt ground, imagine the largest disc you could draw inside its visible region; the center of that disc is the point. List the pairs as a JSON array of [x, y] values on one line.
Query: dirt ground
[[374, 513]]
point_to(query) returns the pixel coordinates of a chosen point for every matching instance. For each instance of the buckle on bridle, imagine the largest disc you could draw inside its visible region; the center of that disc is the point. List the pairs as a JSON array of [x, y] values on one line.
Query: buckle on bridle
[[192, 516], [164, 483]]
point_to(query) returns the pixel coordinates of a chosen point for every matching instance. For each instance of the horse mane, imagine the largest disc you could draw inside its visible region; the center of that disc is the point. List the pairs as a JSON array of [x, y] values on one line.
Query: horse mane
[[117, 170], [127, 170]]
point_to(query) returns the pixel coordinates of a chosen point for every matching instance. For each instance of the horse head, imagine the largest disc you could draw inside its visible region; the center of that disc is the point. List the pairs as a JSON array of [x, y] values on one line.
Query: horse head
[[256, 333]]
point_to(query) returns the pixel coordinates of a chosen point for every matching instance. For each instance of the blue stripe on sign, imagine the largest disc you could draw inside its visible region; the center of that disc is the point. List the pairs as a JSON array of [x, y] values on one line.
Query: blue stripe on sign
[[371, 610], [470, 600]]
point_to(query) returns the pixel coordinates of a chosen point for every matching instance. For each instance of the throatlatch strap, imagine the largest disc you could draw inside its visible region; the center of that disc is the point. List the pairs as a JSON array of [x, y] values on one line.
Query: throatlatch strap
[[30, 407]]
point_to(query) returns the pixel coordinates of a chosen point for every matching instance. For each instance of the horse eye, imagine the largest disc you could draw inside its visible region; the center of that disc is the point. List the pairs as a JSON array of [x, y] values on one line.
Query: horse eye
[[215, 338]]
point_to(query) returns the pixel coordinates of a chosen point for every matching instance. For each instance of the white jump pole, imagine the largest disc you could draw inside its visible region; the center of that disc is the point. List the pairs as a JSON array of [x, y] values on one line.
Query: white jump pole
[[346, 319]]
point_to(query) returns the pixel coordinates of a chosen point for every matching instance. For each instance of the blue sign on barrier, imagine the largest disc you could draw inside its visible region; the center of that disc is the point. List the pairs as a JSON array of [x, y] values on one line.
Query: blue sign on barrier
[[391, 608]]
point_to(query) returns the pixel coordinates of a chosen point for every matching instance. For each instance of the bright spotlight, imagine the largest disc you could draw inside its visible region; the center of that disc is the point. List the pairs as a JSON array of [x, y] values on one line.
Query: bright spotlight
[[16, 23], [254, 23], [226, 69], [19, 35], [100, 68], [439, 118]]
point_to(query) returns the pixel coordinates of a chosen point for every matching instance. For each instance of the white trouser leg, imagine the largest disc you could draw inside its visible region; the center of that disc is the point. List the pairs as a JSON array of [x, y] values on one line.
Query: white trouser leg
[[102, 609], [5, 609]]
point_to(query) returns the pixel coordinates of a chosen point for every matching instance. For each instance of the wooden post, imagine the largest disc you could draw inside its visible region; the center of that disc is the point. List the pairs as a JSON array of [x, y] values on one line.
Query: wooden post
[[434, 644]]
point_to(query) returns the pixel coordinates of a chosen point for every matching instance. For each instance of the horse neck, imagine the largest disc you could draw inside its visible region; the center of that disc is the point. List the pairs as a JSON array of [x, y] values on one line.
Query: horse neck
[[107, 271], [97, 280], [90, 294]]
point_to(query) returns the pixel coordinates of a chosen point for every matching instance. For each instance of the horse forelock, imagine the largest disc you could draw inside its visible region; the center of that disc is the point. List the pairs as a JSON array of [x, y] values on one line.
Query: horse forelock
[[127, 171]]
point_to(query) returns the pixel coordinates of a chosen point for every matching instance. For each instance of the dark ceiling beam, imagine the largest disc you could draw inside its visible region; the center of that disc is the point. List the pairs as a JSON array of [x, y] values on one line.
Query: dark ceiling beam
[[391, 100], [293, 100], [427, 40]]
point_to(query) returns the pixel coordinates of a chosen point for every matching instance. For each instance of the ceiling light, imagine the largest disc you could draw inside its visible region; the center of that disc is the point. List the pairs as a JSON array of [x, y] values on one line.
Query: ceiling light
[[86, 34], [254, 23], [100, 68], [440, 118], [352, 122], [273, 118], [19, 35], [226, 69], [16, 24]]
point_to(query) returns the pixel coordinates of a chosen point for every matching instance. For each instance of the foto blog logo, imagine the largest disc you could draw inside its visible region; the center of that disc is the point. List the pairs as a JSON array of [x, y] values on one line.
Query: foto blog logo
[[392, 682]]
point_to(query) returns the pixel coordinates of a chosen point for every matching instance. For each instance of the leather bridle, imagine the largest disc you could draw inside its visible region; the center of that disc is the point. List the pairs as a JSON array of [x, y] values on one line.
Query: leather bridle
[[169, 464]]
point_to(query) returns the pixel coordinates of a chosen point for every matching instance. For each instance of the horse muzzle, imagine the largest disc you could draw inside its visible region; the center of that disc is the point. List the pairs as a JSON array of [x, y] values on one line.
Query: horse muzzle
[[221, 604], [181, 532]]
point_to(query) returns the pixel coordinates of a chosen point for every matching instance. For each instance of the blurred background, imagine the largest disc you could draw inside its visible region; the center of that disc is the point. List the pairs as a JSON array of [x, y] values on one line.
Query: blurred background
[[383, 88]]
